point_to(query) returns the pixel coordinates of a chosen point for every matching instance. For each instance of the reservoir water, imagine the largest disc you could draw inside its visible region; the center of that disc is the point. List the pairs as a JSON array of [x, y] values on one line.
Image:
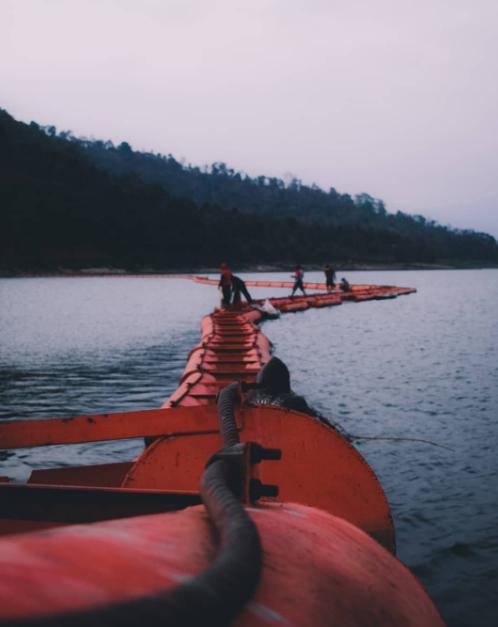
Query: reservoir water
[[422, 366]]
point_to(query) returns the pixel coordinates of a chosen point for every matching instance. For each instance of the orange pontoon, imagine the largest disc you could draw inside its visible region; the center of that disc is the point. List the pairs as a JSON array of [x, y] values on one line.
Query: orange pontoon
[[295, 530]]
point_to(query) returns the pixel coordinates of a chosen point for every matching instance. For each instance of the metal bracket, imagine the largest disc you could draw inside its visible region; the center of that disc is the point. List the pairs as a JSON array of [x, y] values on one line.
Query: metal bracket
[[243, 457]]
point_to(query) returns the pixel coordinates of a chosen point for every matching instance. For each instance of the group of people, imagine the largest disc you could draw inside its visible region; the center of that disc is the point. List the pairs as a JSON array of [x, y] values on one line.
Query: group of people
[[232, 286], [298, 277]]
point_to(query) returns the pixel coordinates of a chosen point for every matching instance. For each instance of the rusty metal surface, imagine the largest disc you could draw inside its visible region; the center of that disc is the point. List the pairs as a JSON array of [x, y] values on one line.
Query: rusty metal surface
[[348, 488]]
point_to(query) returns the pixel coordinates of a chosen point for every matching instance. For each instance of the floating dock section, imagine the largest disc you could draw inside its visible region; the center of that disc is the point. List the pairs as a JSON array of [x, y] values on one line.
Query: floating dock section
[[296, 529]]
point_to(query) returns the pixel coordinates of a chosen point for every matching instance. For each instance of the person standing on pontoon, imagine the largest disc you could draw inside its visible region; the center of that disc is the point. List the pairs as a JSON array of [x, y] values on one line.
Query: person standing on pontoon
[[329, 277], [298, 277], [225, 284]]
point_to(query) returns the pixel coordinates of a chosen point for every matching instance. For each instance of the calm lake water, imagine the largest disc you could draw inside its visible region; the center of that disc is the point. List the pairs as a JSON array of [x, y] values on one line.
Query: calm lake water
[[420, 366]]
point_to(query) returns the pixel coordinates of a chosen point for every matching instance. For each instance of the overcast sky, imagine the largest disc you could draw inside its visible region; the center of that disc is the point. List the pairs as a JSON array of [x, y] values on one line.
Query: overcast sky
[[396, 98]]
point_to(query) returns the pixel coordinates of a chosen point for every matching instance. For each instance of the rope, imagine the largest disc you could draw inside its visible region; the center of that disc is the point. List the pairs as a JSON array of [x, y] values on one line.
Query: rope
[[394, 439]]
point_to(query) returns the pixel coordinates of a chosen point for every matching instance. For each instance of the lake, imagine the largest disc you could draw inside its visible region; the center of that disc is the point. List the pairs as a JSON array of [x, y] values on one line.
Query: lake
[[422, 366]]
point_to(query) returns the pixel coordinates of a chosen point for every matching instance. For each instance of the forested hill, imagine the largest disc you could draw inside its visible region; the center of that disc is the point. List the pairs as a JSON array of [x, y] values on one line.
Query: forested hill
[[69, 203]]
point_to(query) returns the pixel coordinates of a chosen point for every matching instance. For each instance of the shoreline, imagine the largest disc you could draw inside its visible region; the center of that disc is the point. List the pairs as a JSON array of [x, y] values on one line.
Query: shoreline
[[257, 268]]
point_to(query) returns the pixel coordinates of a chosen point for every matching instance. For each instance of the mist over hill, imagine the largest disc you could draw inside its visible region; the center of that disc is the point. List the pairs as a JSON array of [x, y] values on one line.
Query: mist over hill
[[72, 203]]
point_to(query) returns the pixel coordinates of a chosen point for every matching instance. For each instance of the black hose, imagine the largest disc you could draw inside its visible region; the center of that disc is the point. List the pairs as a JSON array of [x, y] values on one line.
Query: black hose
[[228, 397]]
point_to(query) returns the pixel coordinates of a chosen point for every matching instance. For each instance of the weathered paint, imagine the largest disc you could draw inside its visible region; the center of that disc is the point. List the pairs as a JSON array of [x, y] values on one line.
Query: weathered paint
[[101, 427], [318, 569], [319, 467]]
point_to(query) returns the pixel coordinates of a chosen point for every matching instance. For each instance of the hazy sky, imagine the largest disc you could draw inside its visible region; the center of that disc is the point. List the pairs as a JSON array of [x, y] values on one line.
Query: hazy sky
[[396, 98]]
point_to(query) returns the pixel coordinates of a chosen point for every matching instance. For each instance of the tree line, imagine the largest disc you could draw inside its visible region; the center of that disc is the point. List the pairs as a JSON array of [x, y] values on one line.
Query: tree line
[[72, 203]]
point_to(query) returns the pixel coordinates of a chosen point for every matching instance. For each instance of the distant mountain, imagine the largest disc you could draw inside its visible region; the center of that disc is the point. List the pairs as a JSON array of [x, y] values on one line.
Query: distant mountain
[[73, 203]]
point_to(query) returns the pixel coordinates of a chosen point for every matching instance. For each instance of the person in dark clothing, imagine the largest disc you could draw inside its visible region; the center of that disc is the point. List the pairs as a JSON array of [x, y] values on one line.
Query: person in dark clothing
[[273, 388], [225, 284], [345, 287], [329, 277], [239, 286], [298, 280]]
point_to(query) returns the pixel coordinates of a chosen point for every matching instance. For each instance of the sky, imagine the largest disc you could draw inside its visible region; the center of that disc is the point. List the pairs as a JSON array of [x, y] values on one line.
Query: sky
[[395, 98]]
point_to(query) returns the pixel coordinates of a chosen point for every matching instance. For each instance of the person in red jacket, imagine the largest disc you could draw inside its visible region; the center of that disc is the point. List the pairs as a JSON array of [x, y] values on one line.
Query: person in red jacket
[[298, 280], [225, 283]]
